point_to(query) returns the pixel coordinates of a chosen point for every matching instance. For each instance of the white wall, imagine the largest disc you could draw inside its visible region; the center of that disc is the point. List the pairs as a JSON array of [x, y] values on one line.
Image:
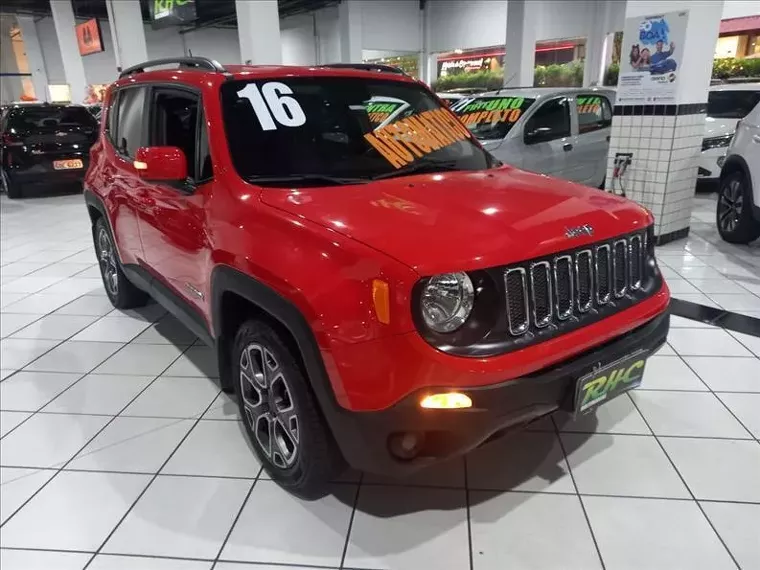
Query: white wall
[[454, 24], [328, 35], [221, 44], [392, 25], [299, 45], [740, 8]]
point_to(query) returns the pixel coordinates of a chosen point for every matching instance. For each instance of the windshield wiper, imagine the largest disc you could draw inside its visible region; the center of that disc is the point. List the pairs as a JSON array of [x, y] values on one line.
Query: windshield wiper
[[419, 168], [305, 178]]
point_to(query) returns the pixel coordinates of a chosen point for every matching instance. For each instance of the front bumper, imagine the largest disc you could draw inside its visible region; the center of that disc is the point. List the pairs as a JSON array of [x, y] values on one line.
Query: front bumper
[[364, 436]]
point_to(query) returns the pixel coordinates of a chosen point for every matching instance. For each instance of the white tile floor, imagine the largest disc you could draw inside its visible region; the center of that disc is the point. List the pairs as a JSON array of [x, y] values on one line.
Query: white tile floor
[[119, 452]]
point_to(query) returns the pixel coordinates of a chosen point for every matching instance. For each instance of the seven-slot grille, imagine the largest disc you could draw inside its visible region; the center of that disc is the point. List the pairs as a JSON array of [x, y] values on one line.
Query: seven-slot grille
[[556, 289]]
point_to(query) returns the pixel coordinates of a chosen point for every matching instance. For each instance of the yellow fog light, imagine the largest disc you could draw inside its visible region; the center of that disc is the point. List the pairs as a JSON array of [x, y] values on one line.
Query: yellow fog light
[[447, 400]]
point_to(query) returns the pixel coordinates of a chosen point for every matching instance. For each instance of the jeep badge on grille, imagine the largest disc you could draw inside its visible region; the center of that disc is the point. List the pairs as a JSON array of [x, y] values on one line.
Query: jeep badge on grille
[[578, 231]]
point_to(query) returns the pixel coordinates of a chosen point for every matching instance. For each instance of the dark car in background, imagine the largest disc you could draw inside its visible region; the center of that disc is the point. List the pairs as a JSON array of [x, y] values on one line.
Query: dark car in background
[[45, 143]]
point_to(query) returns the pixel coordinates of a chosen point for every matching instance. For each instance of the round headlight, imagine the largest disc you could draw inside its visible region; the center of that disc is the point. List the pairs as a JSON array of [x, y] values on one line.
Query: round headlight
[[447, 301]]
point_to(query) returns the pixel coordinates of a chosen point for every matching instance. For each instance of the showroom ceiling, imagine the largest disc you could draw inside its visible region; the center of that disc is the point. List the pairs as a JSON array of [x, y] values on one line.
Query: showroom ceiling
[[210, 12]]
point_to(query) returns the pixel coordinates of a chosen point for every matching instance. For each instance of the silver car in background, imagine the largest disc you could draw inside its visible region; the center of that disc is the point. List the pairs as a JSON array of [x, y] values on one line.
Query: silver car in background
[[562, 132]]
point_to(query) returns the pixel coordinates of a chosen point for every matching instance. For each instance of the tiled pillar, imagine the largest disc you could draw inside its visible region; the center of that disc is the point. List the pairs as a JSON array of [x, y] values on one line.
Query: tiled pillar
[[665, 138]]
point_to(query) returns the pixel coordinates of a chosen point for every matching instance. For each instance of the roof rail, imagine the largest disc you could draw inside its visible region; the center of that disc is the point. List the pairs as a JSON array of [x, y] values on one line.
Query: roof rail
[[191, 62], [366, 67]]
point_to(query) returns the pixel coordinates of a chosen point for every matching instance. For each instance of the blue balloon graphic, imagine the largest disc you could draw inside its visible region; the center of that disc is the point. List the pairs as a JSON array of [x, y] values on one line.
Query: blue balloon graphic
[[653, 31]]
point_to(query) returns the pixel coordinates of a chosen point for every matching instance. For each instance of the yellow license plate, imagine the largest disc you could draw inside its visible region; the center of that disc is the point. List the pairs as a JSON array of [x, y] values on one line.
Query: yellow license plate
[[68, 164]]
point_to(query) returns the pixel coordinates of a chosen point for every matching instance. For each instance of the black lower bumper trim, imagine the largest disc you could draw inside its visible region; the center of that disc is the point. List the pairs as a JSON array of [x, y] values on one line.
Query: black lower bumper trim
[[363, 436]]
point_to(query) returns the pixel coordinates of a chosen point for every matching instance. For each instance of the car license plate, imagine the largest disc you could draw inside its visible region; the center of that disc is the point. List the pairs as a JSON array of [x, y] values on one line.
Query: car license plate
[[70, 164], [609, 381]]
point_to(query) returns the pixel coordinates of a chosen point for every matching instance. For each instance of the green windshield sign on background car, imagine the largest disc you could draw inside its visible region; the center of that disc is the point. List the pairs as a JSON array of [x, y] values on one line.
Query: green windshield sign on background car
[[562, 132]]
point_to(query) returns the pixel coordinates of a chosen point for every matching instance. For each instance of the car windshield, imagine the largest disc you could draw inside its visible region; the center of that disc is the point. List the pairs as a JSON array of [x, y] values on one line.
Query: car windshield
[[49, 118], [731, 104], [492, 117], [333, 130]]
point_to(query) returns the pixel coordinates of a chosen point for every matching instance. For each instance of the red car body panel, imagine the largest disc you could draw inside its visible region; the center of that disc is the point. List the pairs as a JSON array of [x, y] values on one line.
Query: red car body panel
[[321, 248]]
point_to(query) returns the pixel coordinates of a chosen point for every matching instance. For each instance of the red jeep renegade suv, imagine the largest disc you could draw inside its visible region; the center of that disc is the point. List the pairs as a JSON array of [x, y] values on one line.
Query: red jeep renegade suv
[[378, 288]]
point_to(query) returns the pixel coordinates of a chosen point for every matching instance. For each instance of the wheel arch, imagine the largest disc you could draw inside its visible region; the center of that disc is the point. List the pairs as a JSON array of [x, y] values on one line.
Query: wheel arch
[[736, 163], [236, 297]]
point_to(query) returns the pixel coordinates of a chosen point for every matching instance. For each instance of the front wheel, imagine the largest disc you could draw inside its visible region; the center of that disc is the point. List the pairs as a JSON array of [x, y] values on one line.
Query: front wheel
[[280, 413], [736, 223]]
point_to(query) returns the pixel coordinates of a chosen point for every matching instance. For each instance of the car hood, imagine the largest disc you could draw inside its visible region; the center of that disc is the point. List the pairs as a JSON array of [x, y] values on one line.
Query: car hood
[[464, 220], [719, 127]]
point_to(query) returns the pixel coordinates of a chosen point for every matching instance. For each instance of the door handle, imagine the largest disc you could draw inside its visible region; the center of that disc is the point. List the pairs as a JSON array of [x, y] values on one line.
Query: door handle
[[567, 147], [756, 138]]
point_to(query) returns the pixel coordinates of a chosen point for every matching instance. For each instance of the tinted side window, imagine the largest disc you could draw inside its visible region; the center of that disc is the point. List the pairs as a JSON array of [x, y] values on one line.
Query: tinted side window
[[176, 122], [551, 121], [594, 113], [131, 105]]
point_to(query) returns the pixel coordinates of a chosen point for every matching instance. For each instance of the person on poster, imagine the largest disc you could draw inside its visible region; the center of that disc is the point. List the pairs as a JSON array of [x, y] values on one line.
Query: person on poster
[[662, 61]]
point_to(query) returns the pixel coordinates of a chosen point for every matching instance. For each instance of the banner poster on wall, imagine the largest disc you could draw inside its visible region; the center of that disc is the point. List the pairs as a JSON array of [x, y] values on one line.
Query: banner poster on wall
[[651, 59]]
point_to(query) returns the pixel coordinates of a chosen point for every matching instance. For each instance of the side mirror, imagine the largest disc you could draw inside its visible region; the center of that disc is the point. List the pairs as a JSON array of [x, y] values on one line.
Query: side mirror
[[161, 163], [541, 134]]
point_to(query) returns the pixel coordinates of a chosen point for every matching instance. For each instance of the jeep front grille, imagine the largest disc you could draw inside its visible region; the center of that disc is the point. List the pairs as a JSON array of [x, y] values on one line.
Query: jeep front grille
[[571, 285]]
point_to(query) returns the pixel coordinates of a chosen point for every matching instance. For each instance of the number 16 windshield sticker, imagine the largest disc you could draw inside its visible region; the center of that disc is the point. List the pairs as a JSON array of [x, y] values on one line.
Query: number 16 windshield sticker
[[273, 105]]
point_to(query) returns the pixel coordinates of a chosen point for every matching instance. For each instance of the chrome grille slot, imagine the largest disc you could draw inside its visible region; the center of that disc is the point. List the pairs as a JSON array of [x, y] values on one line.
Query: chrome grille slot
[[516, 286], [603, 277], [563, 286], [541, 293], [635, 261], [619, 268], [546, 295], [584, 280]]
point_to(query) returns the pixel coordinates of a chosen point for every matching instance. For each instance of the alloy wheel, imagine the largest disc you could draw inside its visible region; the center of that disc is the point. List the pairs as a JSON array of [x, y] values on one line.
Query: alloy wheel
[[730, 205], [107, 260], [269, 407]]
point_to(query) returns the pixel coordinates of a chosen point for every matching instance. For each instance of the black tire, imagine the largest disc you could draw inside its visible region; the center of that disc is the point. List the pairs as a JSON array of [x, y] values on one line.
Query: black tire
[[300, 454], [122, 293], [12, 189], [733, 217]]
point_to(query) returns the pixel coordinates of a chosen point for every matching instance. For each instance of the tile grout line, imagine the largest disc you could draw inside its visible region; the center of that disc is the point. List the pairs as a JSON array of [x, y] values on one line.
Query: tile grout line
[[60, 343], [395, 486], [577, 493], [469, 511], [351, 521], [237, 517], [740, 342], [691, 493], [741, 423], [40, 269], [155, 475], [108, 423]]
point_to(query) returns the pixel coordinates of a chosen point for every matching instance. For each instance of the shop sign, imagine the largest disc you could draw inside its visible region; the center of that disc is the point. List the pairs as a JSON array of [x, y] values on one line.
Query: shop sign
[[88, 37], [651, 60], [164, 13]]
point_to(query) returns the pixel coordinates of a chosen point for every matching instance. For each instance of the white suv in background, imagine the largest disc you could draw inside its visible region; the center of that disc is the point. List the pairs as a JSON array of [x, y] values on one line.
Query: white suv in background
[[726, 106], [738, 212]]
